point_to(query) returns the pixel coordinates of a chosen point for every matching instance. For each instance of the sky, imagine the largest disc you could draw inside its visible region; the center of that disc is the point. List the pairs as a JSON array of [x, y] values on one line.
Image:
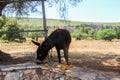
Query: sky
[[89, 11]]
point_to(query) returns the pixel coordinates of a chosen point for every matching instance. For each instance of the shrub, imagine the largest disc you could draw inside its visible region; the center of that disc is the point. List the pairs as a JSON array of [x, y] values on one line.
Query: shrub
[[117, 29], [76, 33], [84, 33], [3, 21], [106, 34], [10, 26]]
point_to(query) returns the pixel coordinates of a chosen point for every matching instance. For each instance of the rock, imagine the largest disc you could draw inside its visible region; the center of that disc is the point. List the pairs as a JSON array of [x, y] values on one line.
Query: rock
[[2, 75], [88, 76], [35, 77], [29, 72], [12, 76], [101, 77], [51, 73]]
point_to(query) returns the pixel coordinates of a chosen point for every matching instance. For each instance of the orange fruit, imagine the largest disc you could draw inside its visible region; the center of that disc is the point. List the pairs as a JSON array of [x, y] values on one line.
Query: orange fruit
[[64, 67], [55, 65], [46, 65]]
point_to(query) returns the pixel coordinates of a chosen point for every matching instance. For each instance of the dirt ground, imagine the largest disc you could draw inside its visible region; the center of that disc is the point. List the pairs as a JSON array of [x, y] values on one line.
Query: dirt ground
[[95, 54]]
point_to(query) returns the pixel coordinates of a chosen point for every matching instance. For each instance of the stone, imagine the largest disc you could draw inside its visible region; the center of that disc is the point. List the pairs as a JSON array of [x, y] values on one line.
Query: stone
[[2, 75], [88, 76], [12, 76], [35, 77], [39, 71], [53, 73], [28, 72]]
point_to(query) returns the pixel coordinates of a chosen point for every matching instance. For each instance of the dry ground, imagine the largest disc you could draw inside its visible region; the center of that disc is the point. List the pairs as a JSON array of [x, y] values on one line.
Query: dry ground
[[95, 54]]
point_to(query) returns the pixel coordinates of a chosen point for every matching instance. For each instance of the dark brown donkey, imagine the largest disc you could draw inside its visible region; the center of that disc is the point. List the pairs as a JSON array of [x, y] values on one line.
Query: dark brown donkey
[[60, 39]]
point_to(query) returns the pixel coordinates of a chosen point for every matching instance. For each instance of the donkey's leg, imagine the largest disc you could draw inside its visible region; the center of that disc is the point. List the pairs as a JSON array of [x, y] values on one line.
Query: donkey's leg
[[66, 54], [59, 56]]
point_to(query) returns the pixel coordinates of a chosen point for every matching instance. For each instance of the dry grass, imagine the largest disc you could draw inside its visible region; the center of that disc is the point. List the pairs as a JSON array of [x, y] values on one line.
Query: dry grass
[[96, 54], [99, 46]]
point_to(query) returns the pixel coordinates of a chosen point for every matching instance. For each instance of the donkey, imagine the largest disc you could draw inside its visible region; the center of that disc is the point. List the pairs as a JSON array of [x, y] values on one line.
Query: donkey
[[60, 39]]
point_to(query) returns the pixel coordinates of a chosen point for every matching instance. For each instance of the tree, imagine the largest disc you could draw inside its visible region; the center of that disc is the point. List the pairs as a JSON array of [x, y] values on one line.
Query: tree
[[11, 25], [106, 34], [24, 7]]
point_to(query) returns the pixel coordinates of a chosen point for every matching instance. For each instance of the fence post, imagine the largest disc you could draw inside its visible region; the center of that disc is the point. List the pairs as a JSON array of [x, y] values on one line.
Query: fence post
[[44, 19]]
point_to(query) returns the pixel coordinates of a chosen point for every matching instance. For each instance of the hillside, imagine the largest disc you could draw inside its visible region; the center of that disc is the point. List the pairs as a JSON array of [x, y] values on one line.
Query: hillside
[[50, 22], [56, 22]]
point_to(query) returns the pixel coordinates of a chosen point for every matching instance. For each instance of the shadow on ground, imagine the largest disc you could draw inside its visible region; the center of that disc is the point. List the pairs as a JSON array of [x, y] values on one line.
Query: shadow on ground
[[7, 59], [106, 62]]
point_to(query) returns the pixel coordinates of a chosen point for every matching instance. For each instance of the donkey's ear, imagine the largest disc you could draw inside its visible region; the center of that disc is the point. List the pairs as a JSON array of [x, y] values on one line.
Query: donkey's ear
[[36, 43]]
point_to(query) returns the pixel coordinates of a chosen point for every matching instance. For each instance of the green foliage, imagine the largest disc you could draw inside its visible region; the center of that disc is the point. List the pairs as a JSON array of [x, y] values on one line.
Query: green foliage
[[36, 35], [81, 32], [3, 21], [106, 34], [76, 33], [84, 33], [33, 35], [117, 29], [4, 37], [10, 26]]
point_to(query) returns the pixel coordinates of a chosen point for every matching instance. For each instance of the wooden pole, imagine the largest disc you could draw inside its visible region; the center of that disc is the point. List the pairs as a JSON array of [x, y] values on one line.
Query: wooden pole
[[44, 19]]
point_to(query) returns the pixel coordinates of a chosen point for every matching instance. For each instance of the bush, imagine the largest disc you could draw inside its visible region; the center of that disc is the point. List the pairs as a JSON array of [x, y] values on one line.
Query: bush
[[4, 37], [76, 33], [3, 21], [117, 29], [106, 34], [84, 33], [10, 26]]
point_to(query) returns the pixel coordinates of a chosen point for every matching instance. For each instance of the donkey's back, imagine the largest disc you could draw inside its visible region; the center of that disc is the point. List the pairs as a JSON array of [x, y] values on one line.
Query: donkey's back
[[61, 38]]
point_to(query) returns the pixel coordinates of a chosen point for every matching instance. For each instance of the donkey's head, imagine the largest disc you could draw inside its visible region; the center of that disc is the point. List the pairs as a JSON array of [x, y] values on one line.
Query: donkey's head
[[42, 50]]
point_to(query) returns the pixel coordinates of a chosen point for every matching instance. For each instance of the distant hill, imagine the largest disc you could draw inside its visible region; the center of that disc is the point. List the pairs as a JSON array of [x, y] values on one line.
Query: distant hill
[[56, 22], [50, 22]]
